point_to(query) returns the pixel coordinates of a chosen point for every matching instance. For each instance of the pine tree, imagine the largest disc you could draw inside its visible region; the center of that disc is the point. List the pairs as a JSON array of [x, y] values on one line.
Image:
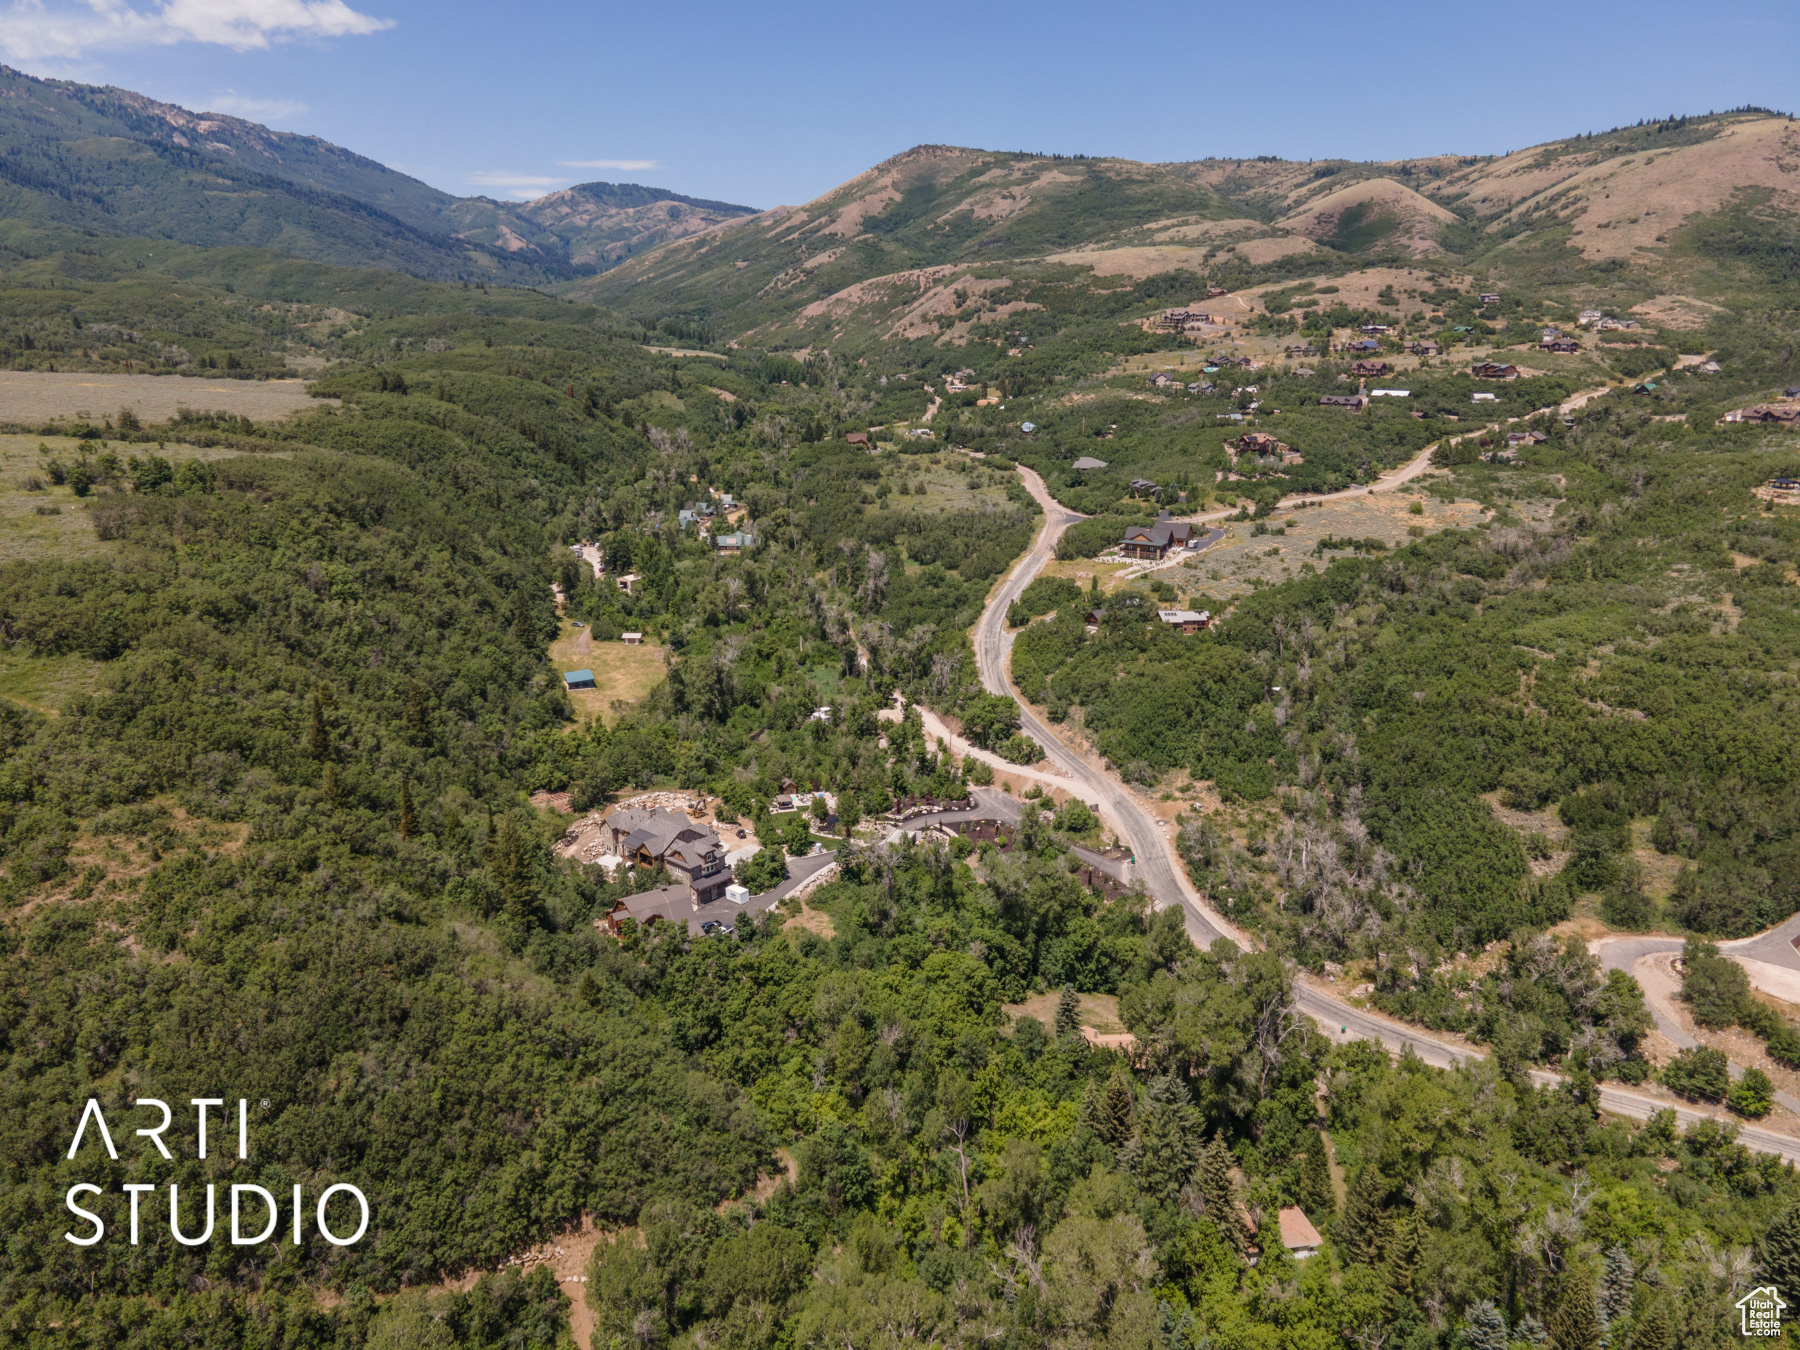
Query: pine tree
[[1615, 1285], [1364, 1224], [414, 710], [1656, 1329], [1575, 1320], [409, 823], [510, 860], [1402, 1256], [1213, 1180], [1484, 1327], [1168, 1139], [1316, 1195], [329, 788], [1118, 1115], [1778, 1250], [318, 743], [1530, 1331], [1068, 1012]]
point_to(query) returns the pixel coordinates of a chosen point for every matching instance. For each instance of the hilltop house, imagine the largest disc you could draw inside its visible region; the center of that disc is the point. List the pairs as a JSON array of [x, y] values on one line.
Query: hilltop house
[[692, 853], [1364, 345], [1151, 543], [1489, 298], [1185, 620], [1493, 370], [1423, 348], [1767, 414], [1374, 328], [1351, 402], [1302, 349], [1560, 344], [1256, 443], [1588, 316], [1143, 487], [735, 542], [1370, 369]]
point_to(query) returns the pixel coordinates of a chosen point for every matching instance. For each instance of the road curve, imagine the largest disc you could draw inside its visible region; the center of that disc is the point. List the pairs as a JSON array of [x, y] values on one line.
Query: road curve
[[1165, 879]]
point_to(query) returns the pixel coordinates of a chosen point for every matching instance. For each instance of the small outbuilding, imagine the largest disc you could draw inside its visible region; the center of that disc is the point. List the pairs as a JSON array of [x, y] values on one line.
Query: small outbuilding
[[578, 679]]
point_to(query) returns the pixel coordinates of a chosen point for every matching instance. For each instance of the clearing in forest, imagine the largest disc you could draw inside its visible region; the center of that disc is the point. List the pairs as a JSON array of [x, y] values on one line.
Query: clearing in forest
[[621, 673], [35, 396]]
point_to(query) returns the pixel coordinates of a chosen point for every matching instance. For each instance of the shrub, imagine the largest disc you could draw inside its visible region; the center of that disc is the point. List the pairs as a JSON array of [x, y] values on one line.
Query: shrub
[[1752, 1095], [1019, 749], [762, 870], [1699, 1074], [1714, 987]]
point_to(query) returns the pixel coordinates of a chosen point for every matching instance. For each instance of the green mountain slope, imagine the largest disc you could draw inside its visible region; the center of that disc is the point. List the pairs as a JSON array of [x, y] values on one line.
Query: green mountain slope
[[119, 163]]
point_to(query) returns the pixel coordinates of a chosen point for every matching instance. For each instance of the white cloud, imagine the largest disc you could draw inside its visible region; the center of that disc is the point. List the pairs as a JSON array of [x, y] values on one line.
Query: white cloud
[[523, 186], [256, 109], [36, 30], [632, 164]]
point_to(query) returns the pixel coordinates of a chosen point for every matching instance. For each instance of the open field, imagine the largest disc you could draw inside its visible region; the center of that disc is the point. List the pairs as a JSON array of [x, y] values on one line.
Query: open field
[[938, 482], [621, 673], [1243, 560], [31, 396], [45, 683], [28, 527], [1098, 1011]]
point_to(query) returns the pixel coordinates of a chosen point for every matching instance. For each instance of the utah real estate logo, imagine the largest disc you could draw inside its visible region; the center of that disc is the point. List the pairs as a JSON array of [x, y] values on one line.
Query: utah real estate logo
[[1761, 1312]]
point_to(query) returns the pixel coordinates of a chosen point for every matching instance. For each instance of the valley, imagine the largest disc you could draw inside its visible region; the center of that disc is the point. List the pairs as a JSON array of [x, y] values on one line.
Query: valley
[[1428, 895]]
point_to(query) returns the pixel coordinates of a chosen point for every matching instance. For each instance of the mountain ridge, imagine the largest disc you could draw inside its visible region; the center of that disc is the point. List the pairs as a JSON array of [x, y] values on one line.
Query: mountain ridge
[[118, 161]]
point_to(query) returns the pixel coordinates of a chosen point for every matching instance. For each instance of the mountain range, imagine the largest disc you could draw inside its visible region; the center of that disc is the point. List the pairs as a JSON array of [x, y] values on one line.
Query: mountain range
[[929, 241], [119, 163]]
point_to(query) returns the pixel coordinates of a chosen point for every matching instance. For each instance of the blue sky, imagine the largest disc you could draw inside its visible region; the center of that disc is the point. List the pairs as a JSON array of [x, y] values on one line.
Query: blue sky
[[776, 103]]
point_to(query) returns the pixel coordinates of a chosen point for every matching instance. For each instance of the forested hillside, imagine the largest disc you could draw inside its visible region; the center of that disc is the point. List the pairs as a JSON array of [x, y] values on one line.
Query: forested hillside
[[109, 160], [275, 697]]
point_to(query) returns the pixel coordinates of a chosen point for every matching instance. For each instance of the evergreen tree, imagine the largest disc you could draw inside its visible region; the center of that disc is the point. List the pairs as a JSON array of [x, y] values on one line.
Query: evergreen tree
[[1213, 1181], [1117, 1117], [414, 710], [1575, 1320], [329, 787], [409, 823], [1615, 1285], [1656, 1329], [1168, 1139], [1530, 1331], [1778, 1250], [1316, 1194], [1484, 1327], [1364, 1227], [1068, 1012], [510, 860], [1402, 1255], [318, 743]]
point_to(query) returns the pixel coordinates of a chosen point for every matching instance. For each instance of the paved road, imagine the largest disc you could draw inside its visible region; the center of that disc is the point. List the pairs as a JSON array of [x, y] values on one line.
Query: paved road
[[1166, 880], [1624, 954]]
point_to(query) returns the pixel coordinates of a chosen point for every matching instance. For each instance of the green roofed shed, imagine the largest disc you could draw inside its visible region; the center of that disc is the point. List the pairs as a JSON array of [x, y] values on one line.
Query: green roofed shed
[[578, 679]]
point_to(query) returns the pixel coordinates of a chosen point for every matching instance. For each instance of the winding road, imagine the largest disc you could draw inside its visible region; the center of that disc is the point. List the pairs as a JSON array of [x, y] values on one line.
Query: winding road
[[1166, 881]]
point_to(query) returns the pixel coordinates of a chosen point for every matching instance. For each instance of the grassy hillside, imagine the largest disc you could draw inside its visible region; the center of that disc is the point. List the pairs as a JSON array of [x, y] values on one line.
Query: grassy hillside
[[941, 230], [119, 163]]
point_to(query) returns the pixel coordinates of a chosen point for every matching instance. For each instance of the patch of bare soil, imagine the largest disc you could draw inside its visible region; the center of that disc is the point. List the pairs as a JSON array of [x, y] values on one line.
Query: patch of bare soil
[[812, 921], [1661, 984]]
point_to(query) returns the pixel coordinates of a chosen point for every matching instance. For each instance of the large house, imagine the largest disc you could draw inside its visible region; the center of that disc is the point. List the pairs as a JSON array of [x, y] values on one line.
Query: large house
[[1560, 344], [1422, 348], [735, 542], [1493, 370], [692, 853], [1351, 402], [1370, 369], [1185, 620], [1151, 543]]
